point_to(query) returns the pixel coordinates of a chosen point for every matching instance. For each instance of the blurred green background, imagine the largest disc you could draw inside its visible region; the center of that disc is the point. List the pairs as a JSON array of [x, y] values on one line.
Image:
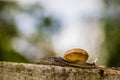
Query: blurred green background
[[25, 45]]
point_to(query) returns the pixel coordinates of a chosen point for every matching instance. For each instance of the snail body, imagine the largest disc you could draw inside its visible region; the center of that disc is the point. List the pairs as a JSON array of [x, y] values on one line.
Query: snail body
[[76, 55]]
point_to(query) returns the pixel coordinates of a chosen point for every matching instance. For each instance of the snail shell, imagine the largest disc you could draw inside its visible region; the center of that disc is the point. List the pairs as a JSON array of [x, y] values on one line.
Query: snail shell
[[76, 55]]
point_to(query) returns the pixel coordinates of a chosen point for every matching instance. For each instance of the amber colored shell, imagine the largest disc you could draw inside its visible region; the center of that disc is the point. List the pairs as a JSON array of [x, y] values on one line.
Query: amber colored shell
[[76, 55]]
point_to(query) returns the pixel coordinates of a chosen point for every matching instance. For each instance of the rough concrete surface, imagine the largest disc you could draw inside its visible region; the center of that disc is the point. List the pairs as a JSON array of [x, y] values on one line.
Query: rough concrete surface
[[25, 71]]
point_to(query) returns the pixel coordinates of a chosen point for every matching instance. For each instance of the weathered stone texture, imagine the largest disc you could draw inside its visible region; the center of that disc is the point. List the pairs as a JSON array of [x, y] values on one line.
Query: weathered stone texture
[[23, 71]]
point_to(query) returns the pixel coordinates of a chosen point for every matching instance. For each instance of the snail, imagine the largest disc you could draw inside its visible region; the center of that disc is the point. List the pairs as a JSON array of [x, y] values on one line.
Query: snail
[[76, 55]]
